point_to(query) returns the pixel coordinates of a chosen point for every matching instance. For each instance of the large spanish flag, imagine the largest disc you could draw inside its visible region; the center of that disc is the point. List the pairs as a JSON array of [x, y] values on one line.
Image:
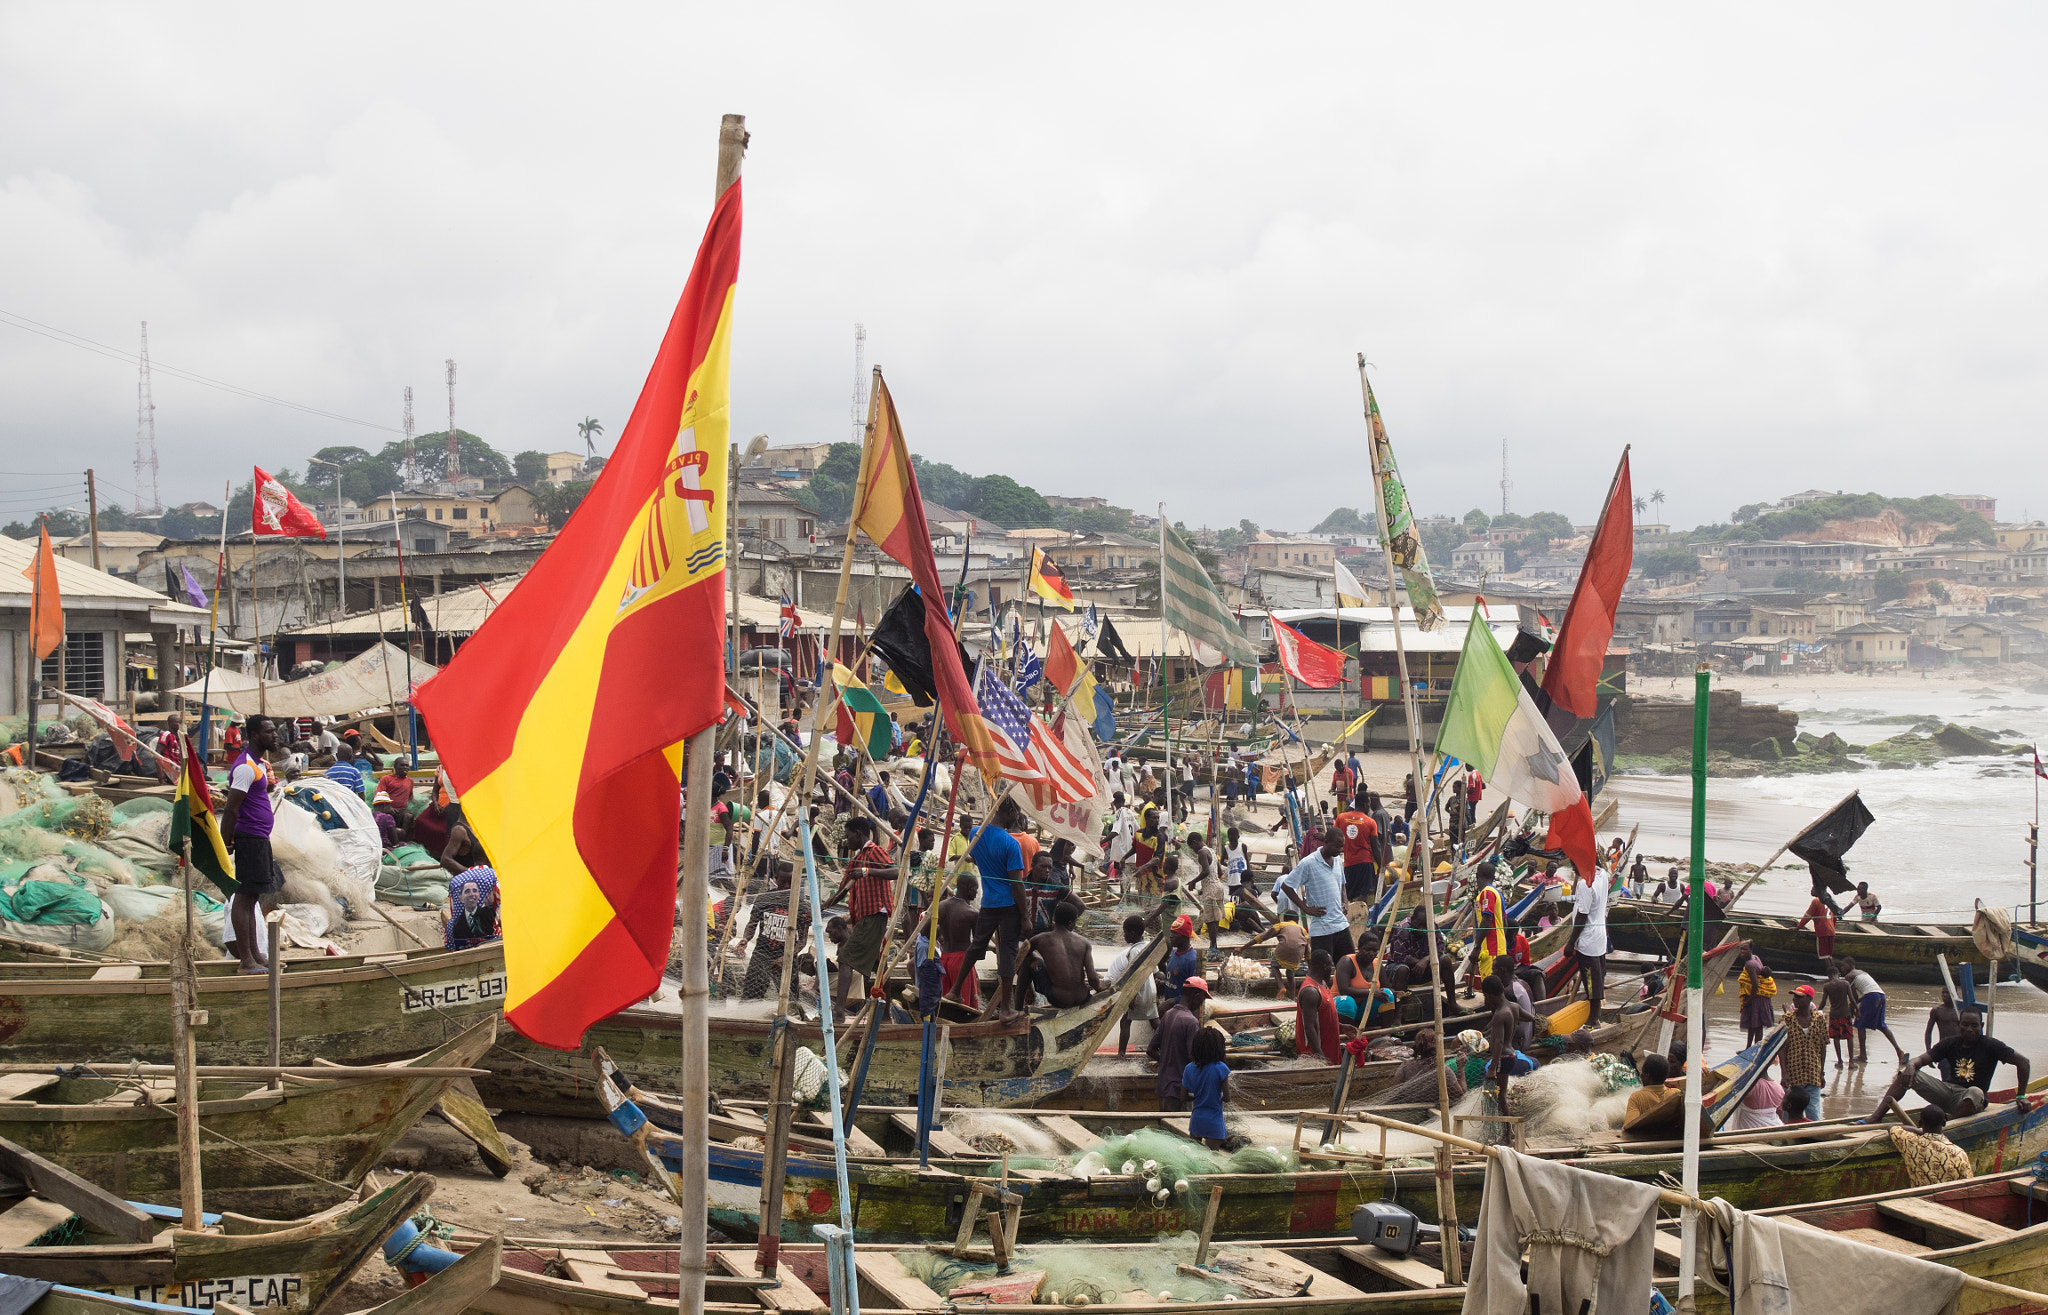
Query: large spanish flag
[[562, 720], [889, 509]]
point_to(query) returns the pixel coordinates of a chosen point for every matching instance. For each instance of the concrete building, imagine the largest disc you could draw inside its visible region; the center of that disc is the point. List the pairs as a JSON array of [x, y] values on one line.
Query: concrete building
[[1304, 554], [1981, 640], [1550, 567], [1873, 644], [564, 467], [765, 515], [1734, 618], [1791, 500], [1977, 502], [1969, 563], [1832, 612], [120, 550], [462, 513], [1829, 557], [100, 612], [804, 458], [1478, 556], [1111, 551], [1078, 504]]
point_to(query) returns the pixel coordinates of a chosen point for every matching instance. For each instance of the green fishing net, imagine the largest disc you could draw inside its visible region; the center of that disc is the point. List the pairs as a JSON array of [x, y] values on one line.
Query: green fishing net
[[50, 903], [85, 817], [135, 808]]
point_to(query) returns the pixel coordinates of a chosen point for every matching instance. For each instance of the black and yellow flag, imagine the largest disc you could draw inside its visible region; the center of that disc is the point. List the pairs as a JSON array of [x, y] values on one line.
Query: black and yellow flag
[[192, 820]]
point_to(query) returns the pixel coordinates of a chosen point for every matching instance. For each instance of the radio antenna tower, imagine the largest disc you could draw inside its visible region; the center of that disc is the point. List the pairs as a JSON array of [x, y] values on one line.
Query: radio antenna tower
[[145, 437], [860, 383], [412, 465], [1506, 485], [454, 456]]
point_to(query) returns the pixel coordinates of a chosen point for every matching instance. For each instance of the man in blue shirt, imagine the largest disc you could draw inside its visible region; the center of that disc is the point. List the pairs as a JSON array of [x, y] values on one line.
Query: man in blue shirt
[[1000, 860], [1316, 887]]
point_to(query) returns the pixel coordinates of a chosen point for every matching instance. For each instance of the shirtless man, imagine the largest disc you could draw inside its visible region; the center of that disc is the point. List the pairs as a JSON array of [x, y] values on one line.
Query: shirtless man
[[1505, 1018], [955, 918], [1060, 964]]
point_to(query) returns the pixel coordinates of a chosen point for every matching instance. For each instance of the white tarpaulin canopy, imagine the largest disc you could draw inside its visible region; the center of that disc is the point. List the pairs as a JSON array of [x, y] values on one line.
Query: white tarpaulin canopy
[[375, 679]]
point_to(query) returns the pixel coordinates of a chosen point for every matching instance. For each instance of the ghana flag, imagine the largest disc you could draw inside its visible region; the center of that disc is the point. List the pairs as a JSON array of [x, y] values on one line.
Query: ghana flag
[[562, 720], [862, 722], [192, 819]]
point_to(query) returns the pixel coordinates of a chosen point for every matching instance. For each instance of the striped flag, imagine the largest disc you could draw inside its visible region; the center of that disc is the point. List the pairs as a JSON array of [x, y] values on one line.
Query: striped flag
[[1193, 606], [192, 819], [1028, 753], [562, 720], [787, 626]]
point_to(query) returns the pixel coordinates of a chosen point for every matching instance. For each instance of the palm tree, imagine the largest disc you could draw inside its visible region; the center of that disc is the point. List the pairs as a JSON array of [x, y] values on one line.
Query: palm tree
[[589, 429], [1657, 498], [1642, 504]]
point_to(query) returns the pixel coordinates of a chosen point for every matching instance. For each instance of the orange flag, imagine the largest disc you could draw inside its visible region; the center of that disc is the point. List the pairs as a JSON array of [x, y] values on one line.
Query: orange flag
[[46, 619], [1062, 664]]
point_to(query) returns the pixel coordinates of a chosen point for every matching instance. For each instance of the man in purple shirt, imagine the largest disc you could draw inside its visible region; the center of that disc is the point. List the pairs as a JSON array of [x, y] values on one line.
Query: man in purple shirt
[[247, 820]]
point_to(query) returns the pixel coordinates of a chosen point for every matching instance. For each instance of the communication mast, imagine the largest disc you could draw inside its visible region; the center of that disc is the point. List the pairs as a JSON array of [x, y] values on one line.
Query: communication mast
[[1506, 485], [860, 382], [146, 496], [412, 464], [454, 457]]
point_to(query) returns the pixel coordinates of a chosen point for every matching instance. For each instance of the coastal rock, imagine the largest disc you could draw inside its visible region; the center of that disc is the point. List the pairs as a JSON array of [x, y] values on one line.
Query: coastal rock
[[1957, 740], [1766, 750], [1661, 726], [1833, 745]]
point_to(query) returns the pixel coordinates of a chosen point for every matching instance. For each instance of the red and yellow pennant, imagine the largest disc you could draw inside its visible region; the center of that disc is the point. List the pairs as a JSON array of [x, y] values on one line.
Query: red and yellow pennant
[[562, 719]]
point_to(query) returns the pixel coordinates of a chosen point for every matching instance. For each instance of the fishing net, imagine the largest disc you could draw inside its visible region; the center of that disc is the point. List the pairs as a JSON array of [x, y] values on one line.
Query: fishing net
[[21, 786], [410, 875], [998, 1134], [84, 817], [146, 806], [1093, 1276], [15, 729], [1566, 1101], [141, 843], [1167, 1162]]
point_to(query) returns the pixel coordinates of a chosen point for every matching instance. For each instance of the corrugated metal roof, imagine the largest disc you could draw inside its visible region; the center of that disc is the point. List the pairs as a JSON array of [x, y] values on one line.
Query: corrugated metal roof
[[81, 585]]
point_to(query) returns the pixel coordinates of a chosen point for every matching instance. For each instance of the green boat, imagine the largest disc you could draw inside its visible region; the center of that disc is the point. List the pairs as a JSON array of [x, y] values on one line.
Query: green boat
[[1888, 951]]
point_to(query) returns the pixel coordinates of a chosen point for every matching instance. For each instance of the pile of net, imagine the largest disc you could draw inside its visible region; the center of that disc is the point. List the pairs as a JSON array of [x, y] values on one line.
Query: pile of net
[[14, 730], [1567, 1100], [1092, 1276], [1167, 1163]]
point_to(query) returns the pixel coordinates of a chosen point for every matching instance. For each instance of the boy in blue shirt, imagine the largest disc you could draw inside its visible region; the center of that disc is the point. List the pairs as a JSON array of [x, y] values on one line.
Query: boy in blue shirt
[[1000, 860]]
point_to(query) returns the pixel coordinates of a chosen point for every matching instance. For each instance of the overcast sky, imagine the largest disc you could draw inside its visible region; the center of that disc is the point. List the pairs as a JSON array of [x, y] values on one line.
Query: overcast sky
[[1131, 255]]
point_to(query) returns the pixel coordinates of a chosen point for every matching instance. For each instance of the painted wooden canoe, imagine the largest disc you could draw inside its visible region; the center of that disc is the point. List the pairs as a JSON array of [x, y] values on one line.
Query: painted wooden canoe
[[1994, 1227], [291, 1266], [992, 1063], [279, 1153], [1888, 951]]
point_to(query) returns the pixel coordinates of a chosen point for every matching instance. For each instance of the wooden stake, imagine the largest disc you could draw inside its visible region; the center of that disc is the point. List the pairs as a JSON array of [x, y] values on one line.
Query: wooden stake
[[273, 923], [185, 1014], [1208, 1225]]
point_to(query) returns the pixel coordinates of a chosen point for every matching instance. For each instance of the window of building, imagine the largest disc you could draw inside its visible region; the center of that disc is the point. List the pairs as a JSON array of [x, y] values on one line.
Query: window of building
[[781, 527], [461, 513], [437, 513], [84, 659], [423, 545], [1742, 627]]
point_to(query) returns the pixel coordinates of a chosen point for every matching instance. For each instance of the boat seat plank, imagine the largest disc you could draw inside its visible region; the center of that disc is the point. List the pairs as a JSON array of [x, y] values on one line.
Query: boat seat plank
[[857, 1142], [1069, 1131], [788, 1294], [1670, 1248], [593, 1269], [1872, 929], [1877, 1237], [893, 1286], [1282, 1270], [945, 1143], [1944, 1219], [2033, 1187], [1934, 931], [29, 1219], [1404, 1270], [119, 972], [1177, 1123], [13, 1086]]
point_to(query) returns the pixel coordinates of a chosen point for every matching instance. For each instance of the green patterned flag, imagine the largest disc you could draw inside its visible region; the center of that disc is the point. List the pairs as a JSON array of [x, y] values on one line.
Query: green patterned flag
[[1193, 606], [1399, 529]]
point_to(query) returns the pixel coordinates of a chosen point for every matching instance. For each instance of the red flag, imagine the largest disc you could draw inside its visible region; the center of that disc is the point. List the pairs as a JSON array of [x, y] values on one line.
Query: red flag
[[1572, 832], [1572, 676], [1062, 663], [276, 511], [1306, 660], [46, 618]]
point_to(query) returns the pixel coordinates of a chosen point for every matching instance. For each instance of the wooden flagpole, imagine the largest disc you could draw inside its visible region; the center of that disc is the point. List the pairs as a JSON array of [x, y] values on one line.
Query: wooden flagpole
[[1446, 1200]]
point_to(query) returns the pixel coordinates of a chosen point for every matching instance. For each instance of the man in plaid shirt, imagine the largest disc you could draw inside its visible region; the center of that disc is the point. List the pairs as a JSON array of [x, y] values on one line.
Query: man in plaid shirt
[[870, 893]]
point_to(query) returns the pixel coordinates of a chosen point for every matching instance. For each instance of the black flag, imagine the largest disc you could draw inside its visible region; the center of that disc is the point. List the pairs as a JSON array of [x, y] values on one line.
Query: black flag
[[1824, 844], [900, 637], [1109, 644]]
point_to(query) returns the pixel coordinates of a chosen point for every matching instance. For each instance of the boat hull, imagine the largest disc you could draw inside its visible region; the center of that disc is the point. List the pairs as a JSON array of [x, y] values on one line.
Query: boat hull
[[1888, 951]]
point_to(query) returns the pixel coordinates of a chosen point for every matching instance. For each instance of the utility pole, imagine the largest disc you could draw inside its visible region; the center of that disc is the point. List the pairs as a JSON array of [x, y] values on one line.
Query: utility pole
[[860, 383], [454, 456], [1506, 485], [412, 465], [146, 497], [92, 514]]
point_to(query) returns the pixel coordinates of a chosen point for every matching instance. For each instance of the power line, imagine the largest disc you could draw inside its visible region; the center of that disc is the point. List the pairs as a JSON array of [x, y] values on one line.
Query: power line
[[70, 339]]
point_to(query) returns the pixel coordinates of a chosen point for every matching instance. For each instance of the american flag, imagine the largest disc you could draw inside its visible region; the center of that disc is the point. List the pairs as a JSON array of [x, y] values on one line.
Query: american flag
[[1029, 754], [789, 618]]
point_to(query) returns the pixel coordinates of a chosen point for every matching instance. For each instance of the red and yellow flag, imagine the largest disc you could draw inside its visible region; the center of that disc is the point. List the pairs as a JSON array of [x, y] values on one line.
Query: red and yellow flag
[[46, 615], [562, 720], [889, 509], [1049, 582]]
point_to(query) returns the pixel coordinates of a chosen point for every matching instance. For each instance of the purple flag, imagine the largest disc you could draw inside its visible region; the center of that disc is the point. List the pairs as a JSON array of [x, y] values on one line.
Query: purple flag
[[193, 593]]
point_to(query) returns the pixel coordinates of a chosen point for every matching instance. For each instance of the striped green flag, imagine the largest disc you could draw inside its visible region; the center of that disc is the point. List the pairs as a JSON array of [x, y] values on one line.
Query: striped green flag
[[1193, 606], [1399, 532]]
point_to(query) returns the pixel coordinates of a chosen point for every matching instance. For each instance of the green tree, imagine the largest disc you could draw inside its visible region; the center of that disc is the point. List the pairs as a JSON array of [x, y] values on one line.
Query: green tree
[[1345, 520], [1889, 585], [1970, 527], [1937, 591], [1477, 522], [1096, 520], [555, 502], [114, 517], [530, 468], [941, 483], [1549, 525], [1509, 520], [63, 525], [184, 525], [1248, 528], [364, 477], [1668, 562], [479, 459], [842, 463], [589, 431], [1008, 503]]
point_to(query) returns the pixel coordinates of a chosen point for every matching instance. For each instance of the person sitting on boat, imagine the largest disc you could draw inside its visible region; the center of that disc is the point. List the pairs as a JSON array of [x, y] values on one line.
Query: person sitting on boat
[[1409, 947], [1183, 960], [1506, 1017], [1928, 1155], [1868, 905], [1973, 1058], [473, 909], [1290, 946], [1656, 1110], [1516, 991], [1060, 964], [1762, 1107], [955, 918], [1757, 987]]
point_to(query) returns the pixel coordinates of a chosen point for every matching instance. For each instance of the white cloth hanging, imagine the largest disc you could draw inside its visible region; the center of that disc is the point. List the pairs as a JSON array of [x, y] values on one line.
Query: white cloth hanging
[[1589, 1236], [1783, 1268]]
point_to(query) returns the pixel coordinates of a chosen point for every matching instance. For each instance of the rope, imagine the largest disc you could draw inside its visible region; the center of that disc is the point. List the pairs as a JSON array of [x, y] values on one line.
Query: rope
[[429, 1227], [295, 1168]]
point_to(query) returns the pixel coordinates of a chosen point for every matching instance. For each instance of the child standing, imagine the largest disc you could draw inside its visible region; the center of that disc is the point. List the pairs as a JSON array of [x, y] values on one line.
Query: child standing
[[1145, 1004], [1841, 1013], [1206, 1079], [1757, 987]]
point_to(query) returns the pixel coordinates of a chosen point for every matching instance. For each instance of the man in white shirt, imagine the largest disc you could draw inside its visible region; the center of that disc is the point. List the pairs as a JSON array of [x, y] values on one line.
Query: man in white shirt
[[1123, 827], [1589, 914], [1316, 887], [1671, 889]]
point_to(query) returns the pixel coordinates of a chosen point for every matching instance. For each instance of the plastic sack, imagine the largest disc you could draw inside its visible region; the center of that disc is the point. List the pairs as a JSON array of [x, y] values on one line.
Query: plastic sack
[[96, 935], [352, 827], [50, 903]]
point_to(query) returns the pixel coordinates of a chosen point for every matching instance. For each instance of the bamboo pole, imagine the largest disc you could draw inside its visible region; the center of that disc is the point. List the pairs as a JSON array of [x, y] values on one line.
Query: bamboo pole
[[1446, 1199], [692, 900], [273, 923], [184, 1015], [774, 1164]]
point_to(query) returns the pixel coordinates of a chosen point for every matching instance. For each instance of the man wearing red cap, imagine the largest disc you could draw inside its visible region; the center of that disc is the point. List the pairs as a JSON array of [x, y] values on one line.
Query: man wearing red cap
[[1803, 1063], [1173, 1041], [1182, 959]]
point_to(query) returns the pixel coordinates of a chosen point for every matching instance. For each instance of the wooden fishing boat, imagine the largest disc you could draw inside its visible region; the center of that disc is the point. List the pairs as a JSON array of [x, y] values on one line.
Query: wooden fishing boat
[[991, 1063], [279, 1152], [1994, 1227], [1888, 951], [299, 1266]]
